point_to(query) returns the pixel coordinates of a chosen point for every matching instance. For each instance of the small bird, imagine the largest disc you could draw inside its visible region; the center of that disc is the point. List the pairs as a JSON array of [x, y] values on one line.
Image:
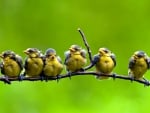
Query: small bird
[[33, 63], [104, 61], [11, 65], [52, 64], [138, 65], [75, 59]]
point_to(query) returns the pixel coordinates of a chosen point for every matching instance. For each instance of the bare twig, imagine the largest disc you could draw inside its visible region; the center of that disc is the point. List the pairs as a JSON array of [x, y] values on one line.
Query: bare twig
[[88, 73], [83, 73], [86, 44]]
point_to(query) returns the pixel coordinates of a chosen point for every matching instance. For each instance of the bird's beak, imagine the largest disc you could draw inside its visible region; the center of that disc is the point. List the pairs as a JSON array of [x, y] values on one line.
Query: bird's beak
[[26, 52], [52, 56], [101, 52], [71, 49], [135, 56]]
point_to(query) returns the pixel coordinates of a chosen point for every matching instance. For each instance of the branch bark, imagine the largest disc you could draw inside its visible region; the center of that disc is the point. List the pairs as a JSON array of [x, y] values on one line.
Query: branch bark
[[86, 44], [82, 73], [85, 73]]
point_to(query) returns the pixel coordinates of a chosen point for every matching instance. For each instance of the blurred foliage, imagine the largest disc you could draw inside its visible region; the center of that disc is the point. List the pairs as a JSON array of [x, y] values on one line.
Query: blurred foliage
[[120, 25]]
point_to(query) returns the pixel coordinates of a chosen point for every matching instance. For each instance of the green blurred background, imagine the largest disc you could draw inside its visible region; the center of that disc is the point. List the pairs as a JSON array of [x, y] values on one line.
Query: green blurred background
[[123, 26]]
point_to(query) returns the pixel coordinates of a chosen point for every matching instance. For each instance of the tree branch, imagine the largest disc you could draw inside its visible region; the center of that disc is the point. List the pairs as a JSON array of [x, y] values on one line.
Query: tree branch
[[86, 44], [86, 73], [83, 73]]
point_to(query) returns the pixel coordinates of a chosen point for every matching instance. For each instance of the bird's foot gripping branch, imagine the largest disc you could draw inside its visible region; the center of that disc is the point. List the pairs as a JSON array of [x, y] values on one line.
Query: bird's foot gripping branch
[[39, 67]]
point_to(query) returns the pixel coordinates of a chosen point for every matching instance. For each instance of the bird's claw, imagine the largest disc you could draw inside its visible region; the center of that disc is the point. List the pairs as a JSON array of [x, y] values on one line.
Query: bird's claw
[[98, 76], [147, 83], [21, 77], [114, 76], [69, 75], [132, 79], [43, 78], [6, 80], [58, 78]]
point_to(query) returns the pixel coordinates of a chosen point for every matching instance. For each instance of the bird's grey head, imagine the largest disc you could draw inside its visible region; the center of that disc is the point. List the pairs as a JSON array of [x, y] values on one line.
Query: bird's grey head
[[140, 54], [50, 51], [8, 53], [74, 48], [104, 50], [33, 52]]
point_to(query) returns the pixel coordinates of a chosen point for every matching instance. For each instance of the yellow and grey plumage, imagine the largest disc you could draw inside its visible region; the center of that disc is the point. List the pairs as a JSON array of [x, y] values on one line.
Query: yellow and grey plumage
[[138, 65], [11, 65], [104, 61], [34, 62], [75, 58], [52, 63]]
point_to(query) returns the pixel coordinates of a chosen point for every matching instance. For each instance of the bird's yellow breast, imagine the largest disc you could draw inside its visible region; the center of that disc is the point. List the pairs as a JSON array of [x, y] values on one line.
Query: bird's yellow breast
[[34, 66], [75, 62], [11, 67], [105, 64], [139, 68], [52, 67]]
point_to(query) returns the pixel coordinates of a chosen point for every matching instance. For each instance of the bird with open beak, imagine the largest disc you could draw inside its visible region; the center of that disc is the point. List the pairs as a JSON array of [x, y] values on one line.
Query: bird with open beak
[[52, 64]]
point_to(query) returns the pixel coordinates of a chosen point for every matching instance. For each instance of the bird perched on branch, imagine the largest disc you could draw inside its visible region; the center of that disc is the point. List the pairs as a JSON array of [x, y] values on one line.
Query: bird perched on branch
[[33, 63], [104, 62], [11, 65], [75, 59], [52, 63], [138, 65]]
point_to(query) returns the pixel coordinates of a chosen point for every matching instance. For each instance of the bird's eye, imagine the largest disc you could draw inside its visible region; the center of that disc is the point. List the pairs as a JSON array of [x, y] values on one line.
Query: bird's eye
[[105, 51], [139, 56], [76, 49], [31, 51], [48, 55], [4, 55]]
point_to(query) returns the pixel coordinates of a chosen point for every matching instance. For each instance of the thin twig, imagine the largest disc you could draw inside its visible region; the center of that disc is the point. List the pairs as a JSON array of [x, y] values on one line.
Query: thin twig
[[88, 73], [86, 44], [88, 67], [83, 73]]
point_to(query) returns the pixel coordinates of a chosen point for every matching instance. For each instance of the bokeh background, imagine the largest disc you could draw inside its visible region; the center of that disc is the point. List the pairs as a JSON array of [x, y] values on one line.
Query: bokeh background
[[123, 26]]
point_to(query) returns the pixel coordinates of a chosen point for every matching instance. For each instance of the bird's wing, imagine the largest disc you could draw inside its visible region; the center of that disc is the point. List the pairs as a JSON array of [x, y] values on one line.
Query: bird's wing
[[44, 60], [131, 63], [95, 59], [113, 58], [26, 62], [59, 59], [67, 56], [1, 66], [18, 59], [148, 62], [83, 53]]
